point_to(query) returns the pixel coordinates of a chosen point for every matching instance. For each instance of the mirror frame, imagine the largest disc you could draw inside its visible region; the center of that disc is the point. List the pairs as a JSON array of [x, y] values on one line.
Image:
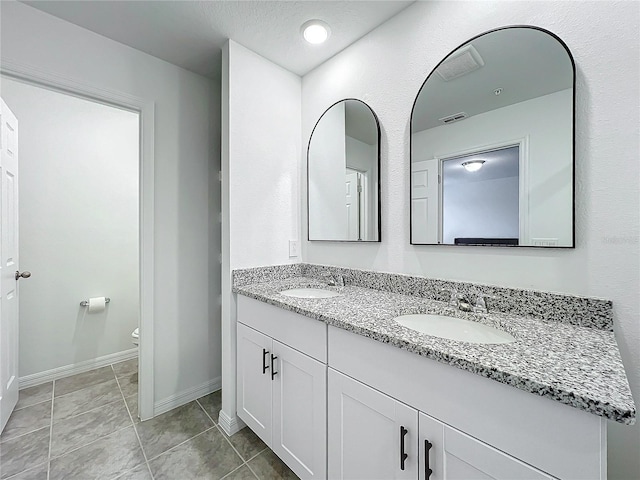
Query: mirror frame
[[379, 190], [573, 140]]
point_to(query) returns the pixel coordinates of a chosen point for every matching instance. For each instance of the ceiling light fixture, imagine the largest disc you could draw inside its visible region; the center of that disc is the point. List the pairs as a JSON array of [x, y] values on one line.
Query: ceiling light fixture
[[473, 165], [315, 31]]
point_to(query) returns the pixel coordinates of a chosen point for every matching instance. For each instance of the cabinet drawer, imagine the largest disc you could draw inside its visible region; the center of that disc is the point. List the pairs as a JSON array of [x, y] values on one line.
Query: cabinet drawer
[[305, 334]]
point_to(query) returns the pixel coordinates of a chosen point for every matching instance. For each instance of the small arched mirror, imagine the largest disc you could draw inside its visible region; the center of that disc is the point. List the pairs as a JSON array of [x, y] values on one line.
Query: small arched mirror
[[492, 144], [343, 174]]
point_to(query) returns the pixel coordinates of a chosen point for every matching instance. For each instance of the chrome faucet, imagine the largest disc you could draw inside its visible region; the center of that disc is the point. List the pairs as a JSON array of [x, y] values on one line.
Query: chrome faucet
[[334, 279], [461, 302]]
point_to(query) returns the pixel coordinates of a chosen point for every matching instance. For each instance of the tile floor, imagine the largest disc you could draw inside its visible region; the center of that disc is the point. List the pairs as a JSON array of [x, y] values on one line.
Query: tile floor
[[86, 427]]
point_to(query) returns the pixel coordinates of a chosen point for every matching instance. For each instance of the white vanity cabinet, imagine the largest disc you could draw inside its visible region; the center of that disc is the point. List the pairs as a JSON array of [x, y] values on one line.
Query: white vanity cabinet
[[373, 436], [484, 429], [446, 453], [282, 384], [338, 405], [370, 435]]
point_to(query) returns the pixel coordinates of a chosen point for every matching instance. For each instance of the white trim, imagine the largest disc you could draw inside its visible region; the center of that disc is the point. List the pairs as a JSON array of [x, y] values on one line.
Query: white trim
[[81, 367], [523, 178], [182, 398], [146, 109], [230, 425]]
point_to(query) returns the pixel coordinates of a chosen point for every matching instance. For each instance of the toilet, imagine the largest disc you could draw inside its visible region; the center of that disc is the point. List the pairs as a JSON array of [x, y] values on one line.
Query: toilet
[[135, 336]]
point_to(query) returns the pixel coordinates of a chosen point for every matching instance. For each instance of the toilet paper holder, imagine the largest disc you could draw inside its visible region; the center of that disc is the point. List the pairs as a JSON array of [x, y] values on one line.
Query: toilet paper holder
[[85, 303]]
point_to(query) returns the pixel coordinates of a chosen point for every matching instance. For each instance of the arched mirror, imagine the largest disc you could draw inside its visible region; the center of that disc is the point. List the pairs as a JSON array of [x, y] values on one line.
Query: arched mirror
[[492, 144], [343, 170]]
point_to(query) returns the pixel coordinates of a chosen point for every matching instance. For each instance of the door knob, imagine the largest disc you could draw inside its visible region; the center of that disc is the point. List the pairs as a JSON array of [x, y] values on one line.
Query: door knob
[[24, 274]]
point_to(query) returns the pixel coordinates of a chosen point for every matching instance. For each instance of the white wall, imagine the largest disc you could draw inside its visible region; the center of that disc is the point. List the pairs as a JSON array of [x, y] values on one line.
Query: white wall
[[327, 161], [186, 283], [544, 122], [486, 209], [386, 69], [78, 226], [261, 110]]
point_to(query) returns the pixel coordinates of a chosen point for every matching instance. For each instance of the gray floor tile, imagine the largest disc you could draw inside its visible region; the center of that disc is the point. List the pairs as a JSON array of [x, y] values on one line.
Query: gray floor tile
[[132, 404], [169, 429], [141, 472], [85, 399], [83, 380], [123, 369], [212, 403], [129, 384], [268, 466], [74, 432], [207, 456], [37, 473], [105, 458], [242, 473], [32, 395], [247, 443], [27, 420], [21, 453]]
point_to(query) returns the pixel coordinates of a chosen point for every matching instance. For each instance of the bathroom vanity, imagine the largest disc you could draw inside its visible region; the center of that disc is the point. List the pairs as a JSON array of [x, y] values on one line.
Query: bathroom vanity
[[340, 390]]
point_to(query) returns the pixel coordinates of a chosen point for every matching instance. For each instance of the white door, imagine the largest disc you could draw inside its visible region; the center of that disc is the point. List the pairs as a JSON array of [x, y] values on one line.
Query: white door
[[300, 412], [352, 200], [425, 201], [453, 455], [371, 436], [9, 264], [254, 381]]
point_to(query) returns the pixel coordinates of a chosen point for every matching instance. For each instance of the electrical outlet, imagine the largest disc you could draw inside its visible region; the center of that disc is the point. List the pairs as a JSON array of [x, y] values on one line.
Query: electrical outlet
[[293, 248]]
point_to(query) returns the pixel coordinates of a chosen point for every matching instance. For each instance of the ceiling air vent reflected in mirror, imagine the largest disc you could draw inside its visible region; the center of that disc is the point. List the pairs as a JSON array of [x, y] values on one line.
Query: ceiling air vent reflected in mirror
[[453, 118], [466, 60]]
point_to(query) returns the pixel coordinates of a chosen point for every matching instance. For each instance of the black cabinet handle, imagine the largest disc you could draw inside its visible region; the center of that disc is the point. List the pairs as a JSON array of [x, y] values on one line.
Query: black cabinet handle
[[403, 456], [273, 370], [264, 361], [427, 469]]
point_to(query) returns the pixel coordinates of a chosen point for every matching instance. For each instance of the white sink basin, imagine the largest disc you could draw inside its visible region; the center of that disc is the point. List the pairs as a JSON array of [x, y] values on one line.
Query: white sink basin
[[453, 328], [310, 293]]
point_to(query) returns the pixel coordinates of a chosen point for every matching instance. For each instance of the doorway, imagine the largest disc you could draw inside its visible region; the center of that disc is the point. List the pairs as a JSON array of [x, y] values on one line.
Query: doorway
[[82, 231]]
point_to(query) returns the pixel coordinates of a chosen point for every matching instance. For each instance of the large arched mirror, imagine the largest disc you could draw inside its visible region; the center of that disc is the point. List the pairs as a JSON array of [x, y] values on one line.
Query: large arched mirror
[[343, 170], [492, 144]]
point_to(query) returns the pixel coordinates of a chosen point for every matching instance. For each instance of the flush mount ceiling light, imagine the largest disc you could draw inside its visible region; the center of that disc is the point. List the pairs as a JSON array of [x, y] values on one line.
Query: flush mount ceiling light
[[473, 165], [315, 31]]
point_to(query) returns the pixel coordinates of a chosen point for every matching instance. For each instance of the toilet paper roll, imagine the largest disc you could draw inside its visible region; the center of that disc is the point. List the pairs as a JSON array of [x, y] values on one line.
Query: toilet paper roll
[[96, 304]]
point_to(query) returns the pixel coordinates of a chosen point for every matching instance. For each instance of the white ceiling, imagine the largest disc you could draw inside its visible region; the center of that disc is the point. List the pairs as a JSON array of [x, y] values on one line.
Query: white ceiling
[[524, 62], [190, 33]]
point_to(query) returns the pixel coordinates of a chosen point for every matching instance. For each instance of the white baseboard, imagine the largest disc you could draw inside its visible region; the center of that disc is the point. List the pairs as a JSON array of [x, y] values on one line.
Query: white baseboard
[[81, 367], [187, 396], [230, 425]]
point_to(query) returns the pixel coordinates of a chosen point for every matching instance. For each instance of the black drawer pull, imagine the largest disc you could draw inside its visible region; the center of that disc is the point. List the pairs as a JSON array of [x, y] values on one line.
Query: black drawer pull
[[273, 370], [427, 469], [403, 456], [264, 361]]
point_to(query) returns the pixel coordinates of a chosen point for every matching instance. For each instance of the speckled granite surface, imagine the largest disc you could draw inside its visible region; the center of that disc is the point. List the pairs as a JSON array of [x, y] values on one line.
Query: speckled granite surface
[[575, 365], [563, 308]]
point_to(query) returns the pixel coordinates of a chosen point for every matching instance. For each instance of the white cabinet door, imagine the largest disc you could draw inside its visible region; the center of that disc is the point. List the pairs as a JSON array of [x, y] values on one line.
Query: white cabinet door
[[300, 412], [368, 432], [254, 381], [456, 456]]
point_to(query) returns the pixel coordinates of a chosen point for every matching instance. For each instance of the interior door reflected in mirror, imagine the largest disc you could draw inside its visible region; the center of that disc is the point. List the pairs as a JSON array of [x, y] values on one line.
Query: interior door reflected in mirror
[[343, 165], [492, 144]]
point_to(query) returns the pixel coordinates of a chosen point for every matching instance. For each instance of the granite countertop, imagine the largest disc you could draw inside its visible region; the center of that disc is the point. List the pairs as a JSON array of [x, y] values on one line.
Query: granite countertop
[[574, 365]]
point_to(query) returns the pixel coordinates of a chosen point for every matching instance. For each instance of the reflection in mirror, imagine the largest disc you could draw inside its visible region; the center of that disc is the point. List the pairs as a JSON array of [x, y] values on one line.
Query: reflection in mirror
[[492, 144], [343, 163]]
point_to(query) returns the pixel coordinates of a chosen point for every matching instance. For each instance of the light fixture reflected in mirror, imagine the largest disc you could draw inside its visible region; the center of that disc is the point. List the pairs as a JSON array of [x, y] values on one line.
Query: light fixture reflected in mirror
[[315, 31], [473, 165]]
